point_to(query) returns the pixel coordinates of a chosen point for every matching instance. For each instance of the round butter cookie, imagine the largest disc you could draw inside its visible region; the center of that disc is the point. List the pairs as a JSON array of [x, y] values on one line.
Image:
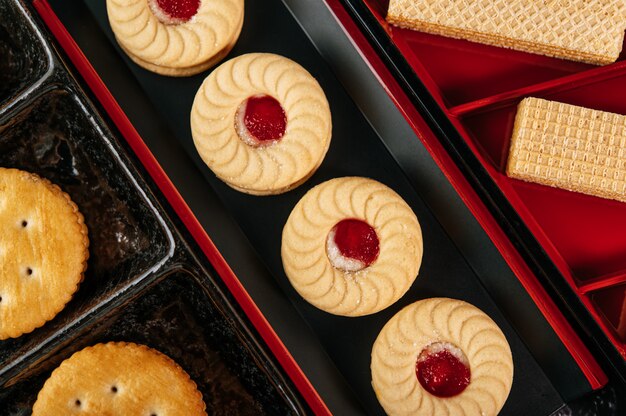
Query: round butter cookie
[[43, 251], [441, 356], [352, 246], [261, 123], [119, 378], [176, 37]]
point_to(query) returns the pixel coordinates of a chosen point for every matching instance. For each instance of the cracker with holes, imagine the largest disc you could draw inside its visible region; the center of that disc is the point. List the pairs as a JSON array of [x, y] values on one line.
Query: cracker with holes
[[43, 251], [136, 380]]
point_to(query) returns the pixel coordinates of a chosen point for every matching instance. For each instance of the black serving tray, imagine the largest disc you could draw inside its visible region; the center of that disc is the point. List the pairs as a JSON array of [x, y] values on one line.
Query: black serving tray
[[360, 146], [145, 282]]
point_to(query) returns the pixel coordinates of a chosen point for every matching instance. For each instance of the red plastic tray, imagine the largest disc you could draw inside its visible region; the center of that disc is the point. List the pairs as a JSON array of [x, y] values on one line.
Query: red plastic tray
[[479, 87]]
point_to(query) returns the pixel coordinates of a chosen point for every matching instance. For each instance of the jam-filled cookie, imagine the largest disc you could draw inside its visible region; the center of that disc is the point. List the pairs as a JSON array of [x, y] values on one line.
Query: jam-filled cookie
[[261, 123], [176, 37], [441, 356], [352, 246]]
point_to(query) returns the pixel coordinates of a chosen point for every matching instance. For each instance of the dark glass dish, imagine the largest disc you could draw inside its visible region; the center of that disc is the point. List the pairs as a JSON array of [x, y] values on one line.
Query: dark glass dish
[[25, 59], [144, 282]]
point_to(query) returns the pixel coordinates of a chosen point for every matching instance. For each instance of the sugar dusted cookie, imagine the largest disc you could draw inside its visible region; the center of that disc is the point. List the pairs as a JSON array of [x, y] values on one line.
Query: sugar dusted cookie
[[441, 357], [261, 123], [43, 251], [119, 378], [176, 37], [352, 246]]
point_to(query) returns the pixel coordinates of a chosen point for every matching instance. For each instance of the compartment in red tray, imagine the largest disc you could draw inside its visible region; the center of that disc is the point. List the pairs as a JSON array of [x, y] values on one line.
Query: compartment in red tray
[[458, 71], [589, 233], [611, 304]]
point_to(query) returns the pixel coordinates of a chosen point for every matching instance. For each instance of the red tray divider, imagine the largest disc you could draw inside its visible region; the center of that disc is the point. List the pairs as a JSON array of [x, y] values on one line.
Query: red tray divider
[[541, 89], [603, 282], [600, 318], [181, 208]]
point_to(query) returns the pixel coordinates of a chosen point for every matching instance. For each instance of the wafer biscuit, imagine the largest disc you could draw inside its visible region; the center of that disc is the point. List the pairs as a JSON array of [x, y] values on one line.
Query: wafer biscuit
[[569, 147], [119, 378], [589, 31], [43, 251]]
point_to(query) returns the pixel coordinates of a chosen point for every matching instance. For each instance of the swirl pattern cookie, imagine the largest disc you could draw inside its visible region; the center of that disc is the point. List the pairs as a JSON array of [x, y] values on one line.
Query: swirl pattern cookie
[[352, 246], [119, 378], [176, 37], [441, 357], [261, 123], [43, 251]]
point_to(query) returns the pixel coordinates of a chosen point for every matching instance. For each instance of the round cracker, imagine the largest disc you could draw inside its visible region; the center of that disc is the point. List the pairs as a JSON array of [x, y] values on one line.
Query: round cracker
[[119, 378], [43, 251]]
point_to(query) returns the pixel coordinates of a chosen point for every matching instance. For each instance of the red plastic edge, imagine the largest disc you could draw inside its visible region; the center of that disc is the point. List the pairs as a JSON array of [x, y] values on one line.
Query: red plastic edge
[[170, 192], [583, 357]]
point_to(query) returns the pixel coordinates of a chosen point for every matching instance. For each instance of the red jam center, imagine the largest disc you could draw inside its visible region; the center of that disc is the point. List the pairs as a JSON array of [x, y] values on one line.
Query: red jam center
[[265, 118], [357, 240], [442, 373], [179, 11]]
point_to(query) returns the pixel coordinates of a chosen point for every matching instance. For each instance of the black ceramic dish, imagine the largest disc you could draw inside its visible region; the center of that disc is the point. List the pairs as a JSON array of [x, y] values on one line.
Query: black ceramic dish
[[144, 282], [356, 149]]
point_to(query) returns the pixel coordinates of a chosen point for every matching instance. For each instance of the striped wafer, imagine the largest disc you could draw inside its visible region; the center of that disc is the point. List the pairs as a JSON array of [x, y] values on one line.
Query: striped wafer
[[569, 147], [590, 31]]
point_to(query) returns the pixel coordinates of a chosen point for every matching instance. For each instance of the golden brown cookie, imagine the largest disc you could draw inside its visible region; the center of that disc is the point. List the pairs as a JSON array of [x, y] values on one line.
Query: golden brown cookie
[[176, 37], [43, 251], [441, 356], [261, 123], [352, 246], [119, 378]]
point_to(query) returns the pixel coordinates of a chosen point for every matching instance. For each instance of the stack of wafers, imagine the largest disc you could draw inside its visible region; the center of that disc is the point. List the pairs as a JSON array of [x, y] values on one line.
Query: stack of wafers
[[589, 31]]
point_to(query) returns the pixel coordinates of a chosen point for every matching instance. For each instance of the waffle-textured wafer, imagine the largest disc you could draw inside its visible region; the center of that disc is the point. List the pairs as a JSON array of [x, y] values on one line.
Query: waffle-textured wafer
[[569, 147], [589, 31]]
